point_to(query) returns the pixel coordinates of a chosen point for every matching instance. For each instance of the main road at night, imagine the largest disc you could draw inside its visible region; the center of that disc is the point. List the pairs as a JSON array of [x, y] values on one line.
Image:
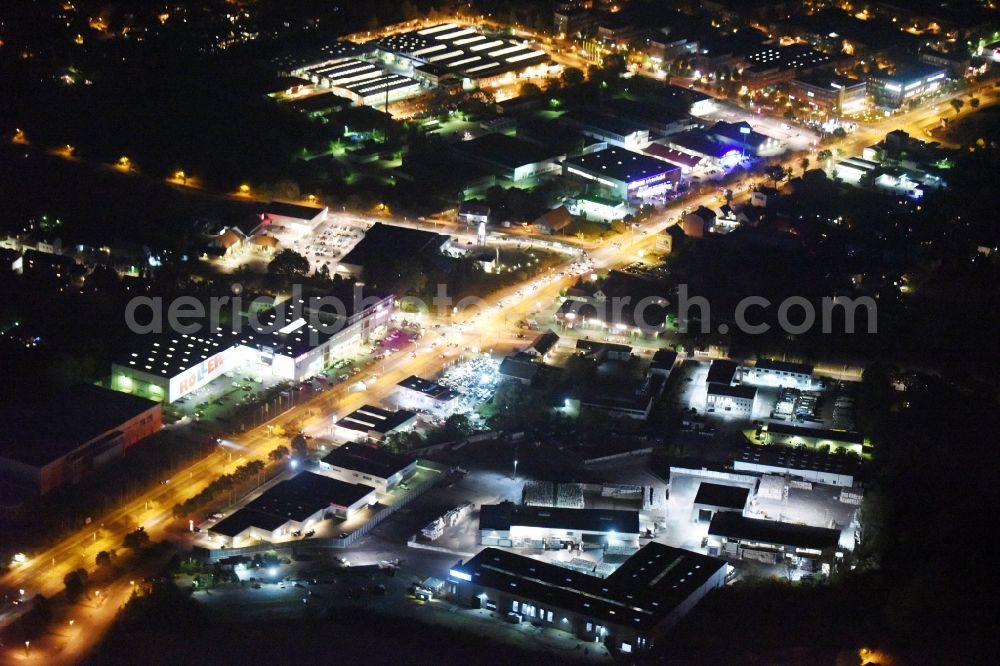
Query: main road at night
[[489, 327]]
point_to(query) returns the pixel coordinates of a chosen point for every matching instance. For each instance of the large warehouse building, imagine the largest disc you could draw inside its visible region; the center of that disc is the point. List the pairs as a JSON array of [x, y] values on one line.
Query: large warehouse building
[[360, 81], [167, 367], [295, 504], [371, 424], [47, 445], [770, 541], [779, 373], [514, 526], [629, 611], [424, 394], [627, 175], [462, 53], [832, 469], [373, 466]]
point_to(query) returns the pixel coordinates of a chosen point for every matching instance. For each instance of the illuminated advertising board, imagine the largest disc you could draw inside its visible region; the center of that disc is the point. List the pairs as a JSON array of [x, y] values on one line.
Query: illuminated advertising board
[[196, 377], [647, 181]]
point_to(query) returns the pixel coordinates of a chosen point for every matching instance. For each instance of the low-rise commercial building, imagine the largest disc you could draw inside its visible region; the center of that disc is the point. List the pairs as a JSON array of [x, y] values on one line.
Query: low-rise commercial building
[[509, 157], [906, 82], [373, 466], [418, 393], [779, 373], [713, 498], [722, 371], [50, 444], [630, 611], [609, 129], [473, 213], [372, 424], [735, 399], [360, 81], [292, 505], [627, 175], [830, 93], [663, 362], [167, 367], [386, 240], [733, 535], [299, 218], [622, 303], [832, 469], [508, 524], [812, 438], [476, 59]]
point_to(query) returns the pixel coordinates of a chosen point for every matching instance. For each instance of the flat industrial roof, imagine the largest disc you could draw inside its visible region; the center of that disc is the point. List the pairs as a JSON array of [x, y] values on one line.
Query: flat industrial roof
[[644, 591], [664, 359], [831, 81], [745, 392], [169, 354], [244, 518], [734, 526], [296, 211], [784, 366], [384, 241], [314, 57], [544, 343], [370, 418], [40, 432], [519, 365], [721, 371], [788, 57], [507, 151], [602, 122], [304, 495], [698, 141], [429, 388], [671, 155], [622, 165], [714, 494], [909, 72], [799, 458], [463, 51], [368, 460], [507, 514], [817, 433]]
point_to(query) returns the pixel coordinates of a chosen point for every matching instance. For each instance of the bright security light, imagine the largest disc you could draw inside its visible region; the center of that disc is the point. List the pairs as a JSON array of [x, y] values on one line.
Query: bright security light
[[273, 571]]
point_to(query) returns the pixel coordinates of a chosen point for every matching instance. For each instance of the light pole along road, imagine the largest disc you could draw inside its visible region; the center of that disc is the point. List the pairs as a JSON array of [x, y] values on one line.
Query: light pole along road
[[44, 572]]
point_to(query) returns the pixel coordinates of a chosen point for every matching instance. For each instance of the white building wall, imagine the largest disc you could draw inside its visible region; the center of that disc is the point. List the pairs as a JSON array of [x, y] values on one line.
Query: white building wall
[[816, 476]]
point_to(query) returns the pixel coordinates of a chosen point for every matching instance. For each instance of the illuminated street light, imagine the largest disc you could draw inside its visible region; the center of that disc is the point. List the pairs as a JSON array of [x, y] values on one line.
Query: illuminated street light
[[245, 189]]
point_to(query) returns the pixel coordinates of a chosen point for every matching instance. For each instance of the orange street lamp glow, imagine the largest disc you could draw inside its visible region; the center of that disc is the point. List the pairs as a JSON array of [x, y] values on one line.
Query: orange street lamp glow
[[244, 189]]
